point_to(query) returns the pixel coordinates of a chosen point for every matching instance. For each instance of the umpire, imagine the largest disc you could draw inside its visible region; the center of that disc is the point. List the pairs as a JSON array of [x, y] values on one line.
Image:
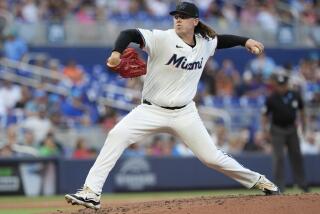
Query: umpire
[[280, 114]]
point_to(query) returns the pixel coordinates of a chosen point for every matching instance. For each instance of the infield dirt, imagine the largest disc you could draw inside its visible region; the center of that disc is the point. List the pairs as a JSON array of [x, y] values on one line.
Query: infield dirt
[[253, 204]]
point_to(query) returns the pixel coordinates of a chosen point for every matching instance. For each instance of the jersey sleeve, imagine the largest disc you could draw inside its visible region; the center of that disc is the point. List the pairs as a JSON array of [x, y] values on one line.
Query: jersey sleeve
[[149, 39], [212, 45]]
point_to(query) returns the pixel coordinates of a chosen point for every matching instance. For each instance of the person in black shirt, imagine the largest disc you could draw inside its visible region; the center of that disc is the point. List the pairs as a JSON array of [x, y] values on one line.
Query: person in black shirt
[[281, 112]]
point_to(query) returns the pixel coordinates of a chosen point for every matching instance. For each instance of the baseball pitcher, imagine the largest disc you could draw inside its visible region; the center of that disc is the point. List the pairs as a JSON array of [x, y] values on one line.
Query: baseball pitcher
[[176, 58]]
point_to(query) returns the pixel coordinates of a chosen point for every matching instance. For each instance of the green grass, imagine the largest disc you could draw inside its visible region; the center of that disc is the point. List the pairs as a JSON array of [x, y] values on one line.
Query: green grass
[[24, 202]]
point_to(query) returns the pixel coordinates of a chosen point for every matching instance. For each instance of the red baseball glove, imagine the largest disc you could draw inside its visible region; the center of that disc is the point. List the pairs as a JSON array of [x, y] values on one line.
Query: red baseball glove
[[131, 65]]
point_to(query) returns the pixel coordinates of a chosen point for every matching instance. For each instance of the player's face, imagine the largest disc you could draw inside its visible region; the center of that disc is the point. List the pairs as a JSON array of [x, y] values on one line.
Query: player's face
[[184, 24]]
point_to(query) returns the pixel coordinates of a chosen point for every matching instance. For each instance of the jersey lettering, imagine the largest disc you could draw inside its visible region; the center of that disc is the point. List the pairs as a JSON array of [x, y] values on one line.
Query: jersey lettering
[[182, 63]]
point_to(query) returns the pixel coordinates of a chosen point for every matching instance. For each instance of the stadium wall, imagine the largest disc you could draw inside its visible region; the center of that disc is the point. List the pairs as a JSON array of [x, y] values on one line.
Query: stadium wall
[[49, 176], [158, 174]]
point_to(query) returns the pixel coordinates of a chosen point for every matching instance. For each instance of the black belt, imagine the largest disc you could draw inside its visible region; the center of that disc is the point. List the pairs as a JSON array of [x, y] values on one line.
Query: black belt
[[170, 108]]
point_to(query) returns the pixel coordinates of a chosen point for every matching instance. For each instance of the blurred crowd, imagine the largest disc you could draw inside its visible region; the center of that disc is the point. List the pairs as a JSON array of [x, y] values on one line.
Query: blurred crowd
[[34, 113], [275, 18], [31, 116], [246, 11]]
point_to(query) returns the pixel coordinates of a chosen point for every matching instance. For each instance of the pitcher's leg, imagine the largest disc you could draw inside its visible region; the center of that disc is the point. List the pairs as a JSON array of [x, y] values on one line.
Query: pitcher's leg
[[193, 132], [137, 124], [116, 142]]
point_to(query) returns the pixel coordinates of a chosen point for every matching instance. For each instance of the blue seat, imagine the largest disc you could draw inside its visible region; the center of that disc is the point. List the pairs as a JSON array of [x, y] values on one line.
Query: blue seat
[[235, 102], [255, 103], [218, 102]]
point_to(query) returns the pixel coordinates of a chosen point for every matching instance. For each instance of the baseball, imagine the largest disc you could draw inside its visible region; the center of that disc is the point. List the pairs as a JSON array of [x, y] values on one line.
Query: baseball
[[256, 50]]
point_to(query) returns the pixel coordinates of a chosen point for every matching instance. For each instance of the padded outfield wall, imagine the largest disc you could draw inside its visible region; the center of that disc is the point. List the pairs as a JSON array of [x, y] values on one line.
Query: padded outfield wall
[[156, 174], [49, 176]]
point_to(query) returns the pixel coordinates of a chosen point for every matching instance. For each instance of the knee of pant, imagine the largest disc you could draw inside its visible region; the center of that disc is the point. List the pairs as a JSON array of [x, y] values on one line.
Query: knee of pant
[[210, 161], [118, 134]]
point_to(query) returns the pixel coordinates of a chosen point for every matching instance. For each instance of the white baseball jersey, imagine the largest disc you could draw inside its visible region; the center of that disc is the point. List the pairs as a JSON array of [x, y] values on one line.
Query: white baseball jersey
[[174, 68]]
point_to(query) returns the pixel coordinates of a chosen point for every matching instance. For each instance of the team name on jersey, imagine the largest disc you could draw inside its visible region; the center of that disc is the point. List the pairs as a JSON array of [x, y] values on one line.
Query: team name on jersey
[[182, 63]]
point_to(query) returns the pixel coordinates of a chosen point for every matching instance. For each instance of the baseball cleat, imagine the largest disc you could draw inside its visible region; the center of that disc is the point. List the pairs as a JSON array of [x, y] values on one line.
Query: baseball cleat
[[85, 197], [267, 186]]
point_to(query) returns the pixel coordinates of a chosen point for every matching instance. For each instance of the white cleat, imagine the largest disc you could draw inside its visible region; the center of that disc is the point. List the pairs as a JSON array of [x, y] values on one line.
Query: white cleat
[[85, 197], [267, 186]]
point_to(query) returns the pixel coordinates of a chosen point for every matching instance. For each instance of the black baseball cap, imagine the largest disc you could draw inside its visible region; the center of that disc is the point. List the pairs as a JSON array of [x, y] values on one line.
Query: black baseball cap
[[186, 8]]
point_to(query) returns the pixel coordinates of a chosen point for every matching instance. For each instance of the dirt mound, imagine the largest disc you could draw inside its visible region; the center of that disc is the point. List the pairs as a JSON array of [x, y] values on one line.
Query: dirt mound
[[254, 204]]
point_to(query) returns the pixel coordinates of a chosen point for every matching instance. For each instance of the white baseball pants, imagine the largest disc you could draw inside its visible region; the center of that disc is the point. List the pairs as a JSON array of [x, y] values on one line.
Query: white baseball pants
[[185, 123]]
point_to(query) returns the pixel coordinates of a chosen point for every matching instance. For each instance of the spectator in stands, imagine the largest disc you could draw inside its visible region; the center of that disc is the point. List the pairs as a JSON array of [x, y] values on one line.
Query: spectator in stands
[[54, 108], [229, 69], [168, 145], [252, 86], [229, 11], [39, 123], [267, 19], [3, 109], [226, 79], [15, 148], [109, 118], [297, 82], [285, 34], [50, 146], [6, 19], [39, 100], [262, 65], [28, 138], [208, 76], [30, 11], [57, 79], [56, 11], [281, 110], [220, 137], [158, 8], [86, 14], [134, 150], [6, 151], [10, 94], [24, 99], [248, 15], [224, 84], [162, 145], [308, 71], [238, 140], [156, 148], [181, 150], [14, 48], [309, 144], [76, 112], [308, 15], [136, 7], [81, 150], [74, 73], [259, 144], [215, 11]]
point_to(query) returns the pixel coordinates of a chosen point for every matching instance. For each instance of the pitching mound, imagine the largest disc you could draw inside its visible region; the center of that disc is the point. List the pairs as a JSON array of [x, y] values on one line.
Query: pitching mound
[[284, 204]]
